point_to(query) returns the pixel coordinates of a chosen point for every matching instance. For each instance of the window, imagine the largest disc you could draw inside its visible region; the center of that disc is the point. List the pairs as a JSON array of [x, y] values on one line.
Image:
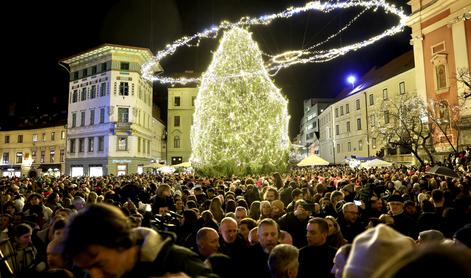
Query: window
[[386, 117], [91, 144], [440, 63], [20, 138], [122, 143], [82, 118], [123, 115], [402, 88], [19, 157], [349, 146], [124, 89], [176, 121], [102, 115], [193, 101], [63, 134], [101, 143], [347, 108], [348, 126], [341, 110], [74, 96], [337, 130], [104, 67], [42, 159], [94, 69], [92, 117], [385, 94], [122, 169], [7, 139], [83, 96], [72, 145], [359, 124], [138, 144], [338, 148], [93, 92], [336, 112], [148, 146], [373, 143], [84, 73], [81, 145], [102, 89], [176, 141], [441, 77], [76, 75], [176, 101], [62, 155], [358, 104], [372, 101], [124, 66], [6, 158], [53, 136], [360, 145]]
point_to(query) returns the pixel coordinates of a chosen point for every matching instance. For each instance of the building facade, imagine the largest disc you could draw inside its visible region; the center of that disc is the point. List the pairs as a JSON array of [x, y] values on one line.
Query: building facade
[[441, 37], [110, 124], [309, 127], [347, 127], [181, 106], [41, 149]]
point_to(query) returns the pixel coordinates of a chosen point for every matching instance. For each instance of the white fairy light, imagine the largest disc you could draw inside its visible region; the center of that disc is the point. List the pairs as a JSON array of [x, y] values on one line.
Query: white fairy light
[[288, 58]]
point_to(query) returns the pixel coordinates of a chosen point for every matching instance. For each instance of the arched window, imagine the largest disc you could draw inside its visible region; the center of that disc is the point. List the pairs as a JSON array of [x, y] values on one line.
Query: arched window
[[440, 68]]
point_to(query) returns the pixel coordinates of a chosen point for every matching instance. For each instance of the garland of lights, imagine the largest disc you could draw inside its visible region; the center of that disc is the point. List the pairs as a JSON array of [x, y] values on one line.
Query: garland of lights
[[240, 124], [288, 58]]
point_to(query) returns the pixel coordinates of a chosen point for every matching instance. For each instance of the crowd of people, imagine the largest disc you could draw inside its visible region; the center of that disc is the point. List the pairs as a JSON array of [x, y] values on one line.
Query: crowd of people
[[317, 222]]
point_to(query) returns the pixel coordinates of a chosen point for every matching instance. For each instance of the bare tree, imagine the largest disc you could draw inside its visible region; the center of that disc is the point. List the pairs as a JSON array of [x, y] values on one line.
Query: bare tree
[[464, 78], [405, 125]]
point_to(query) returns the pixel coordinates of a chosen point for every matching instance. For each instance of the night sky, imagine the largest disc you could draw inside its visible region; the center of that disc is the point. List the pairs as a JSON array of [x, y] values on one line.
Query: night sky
[[43, 32]]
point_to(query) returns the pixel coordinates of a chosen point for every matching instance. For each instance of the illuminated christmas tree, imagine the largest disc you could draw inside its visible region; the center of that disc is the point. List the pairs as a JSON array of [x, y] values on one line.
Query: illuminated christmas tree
[[241, 119]]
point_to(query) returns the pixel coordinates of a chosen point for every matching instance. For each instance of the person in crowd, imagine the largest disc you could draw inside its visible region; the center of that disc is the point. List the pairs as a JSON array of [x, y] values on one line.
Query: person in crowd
[[296, 194], [253, 236], [316, 259], [334, 237], [283, 261], [240, 213], [403, 223], [295, 223], [254, 211], [222, 265], [257, 255], [231, 242], [245, 226], [271, 194], [207, 241], [265, 210], [349, 221], [112, 248], [277, 209], [430, 236]]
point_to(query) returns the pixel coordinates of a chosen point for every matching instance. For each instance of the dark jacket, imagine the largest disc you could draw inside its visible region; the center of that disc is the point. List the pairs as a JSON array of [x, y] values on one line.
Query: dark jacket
[[316, 261], [160, 255], [295, 227]]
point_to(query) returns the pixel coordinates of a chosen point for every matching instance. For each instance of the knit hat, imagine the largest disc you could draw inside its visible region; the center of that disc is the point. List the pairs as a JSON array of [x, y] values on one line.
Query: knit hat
[[429, 236], [373, 248], [396, 198]]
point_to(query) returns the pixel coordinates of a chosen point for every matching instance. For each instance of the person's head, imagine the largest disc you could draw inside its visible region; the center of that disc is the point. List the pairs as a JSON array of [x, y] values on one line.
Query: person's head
[[333, 224], [396, 204], [221, 265], [296, 194], [245, 225], [376, 204], [340, 260], [58, 228], [277, 208], [228, 229], [350, 212], [285, 238], [35, 199], [265, 209], [22, 234], [54, 258], [463, 236], [301, 209], [317, 231], [99, 240], [283, 261], [253, 236], [268, 234], [5, 221], [207, 240], [240, 213], [79, 203], [430, 236], [336, 196], [270, 194]]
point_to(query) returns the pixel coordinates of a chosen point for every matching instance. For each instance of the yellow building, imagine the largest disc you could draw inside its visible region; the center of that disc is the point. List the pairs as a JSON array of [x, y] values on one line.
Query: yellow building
[[181, 106], [41, 149]]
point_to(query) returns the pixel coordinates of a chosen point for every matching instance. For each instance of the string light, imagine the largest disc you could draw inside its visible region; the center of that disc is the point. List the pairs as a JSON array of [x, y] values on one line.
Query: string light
[[288, 58], [241, 123]]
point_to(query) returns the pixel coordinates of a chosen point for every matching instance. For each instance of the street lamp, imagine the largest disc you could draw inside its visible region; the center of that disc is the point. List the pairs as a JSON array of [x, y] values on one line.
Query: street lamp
[[352, 79]]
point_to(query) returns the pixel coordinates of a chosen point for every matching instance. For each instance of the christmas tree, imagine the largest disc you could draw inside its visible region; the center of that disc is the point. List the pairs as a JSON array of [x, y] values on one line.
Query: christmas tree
[[241, 119]]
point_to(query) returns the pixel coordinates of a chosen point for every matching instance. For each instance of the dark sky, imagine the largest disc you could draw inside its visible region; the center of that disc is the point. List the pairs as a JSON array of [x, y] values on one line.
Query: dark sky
[[43, 32]]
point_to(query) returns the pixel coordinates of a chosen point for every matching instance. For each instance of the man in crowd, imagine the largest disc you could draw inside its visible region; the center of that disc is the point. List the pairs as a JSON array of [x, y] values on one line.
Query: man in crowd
[[316, 259], [349, 221], [403, 223], [257, 255], [283, 261], [99, 239], [207, 240], [295, 222]]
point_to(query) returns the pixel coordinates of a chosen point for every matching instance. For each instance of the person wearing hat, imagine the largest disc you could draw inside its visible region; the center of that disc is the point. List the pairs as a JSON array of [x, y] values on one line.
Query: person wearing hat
[[403, 223]]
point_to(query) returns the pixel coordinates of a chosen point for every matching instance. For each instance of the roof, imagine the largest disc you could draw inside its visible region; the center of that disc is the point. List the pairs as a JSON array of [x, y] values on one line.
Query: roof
[[376, 75]]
